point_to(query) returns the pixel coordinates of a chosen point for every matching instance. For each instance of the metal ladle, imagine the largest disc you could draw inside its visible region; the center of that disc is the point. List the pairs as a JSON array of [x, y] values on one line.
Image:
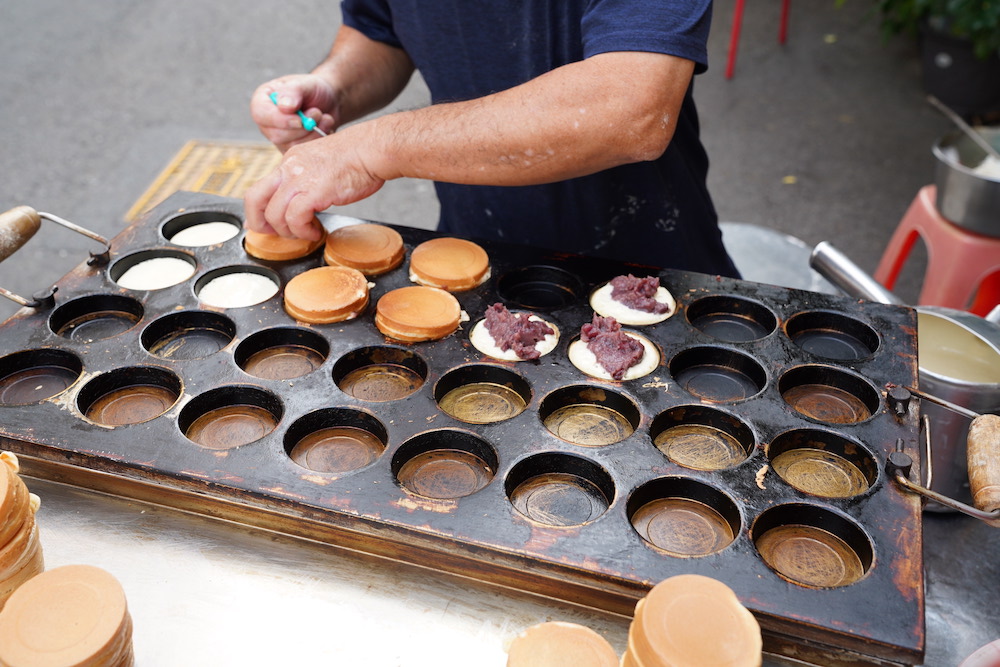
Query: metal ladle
[[965, 127]]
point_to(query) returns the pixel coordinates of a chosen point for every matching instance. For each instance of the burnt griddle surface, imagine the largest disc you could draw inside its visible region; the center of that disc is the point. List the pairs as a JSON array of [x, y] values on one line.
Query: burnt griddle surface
[[604, 563]]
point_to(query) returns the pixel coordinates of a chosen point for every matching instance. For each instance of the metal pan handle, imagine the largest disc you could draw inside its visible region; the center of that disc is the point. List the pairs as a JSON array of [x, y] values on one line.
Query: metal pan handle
[[847, 276], [18, 225], [983, 461]]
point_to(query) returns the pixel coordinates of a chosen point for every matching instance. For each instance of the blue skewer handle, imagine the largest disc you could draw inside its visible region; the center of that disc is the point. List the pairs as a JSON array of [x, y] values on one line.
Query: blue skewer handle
[[308, 123]]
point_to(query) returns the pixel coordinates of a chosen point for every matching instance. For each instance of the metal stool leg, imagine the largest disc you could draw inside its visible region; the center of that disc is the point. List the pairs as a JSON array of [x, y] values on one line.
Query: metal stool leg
[[783, 27], [734, 38], [963, 268], [734, 35]]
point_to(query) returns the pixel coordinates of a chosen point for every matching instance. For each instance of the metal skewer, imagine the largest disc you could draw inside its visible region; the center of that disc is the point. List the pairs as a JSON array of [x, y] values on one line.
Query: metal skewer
[[966, 412]]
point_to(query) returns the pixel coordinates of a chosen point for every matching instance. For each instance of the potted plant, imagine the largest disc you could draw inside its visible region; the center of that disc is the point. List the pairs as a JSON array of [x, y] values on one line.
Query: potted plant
[[960, 48]]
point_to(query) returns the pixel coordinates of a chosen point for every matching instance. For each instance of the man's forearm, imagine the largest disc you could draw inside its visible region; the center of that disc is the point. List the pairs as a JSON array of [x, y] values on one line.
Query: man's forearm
[[608, 110], [367, 74], [611, 109]]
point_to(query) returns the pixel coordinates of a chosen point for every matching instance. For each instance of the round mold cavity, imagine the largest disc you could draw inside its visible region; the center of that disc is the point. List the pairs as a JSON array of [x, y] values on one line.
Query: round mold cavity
[[701, 437], [129, 395], [683, 517], [559, 489], [31, 376], [445, 464], [154, 269], [718, 374], [335, 440], [380, 373], [238, 286], [188, 335], [829, 395], [540, 288], [822, 463], [812, 546], [482, 394], [201, 228], [230, 416], [282, 353], [832, 335], [95, 317], [589, 416], [731, 318]]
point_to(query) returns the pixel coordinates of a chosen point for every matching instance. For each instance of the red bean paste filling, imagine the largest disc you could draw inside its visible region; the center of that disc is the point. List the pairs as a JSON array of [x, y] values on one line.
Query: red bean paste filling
[[638, 293], [515, 332], [615, 351]]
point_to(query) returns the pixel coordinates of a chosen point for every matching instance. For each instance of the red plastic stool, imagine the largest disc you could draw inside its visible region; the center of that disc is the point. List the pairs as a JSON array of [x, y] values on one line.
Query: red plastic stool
[[734, 35], [963, 268]]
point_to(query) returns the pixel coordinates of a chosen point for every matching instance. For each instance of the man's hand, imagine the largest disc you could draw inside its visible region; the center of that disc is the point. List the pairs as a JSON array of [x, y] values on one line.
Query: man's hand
[[607, 110], [312, 177], [279, 122]]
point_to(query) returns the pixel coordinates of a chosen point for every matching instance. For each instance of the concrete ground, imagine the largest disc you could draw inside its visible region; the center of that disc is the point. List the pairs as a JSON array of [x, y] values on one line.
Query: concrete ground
[[824, 138]]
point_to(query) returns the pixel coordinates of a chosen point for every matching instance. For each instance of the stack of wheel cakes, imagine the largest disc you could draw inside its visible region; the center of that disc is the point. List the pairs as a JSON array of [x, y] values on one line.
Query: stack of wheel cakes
[[71, 616], [560, 644], [688, 620], [692, 621], [20, 549]]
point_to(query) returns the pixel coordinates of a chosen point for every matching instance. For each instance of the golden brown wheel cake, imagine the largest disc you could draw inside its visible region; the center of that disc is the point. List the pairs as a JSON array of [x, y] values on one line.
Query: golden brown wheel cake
[[417, 313], [32, 564], [326, 294], [692, 620], [452, 264], [370, 248], [560, 644], [71, 615], [274, 248], [14, 506], [17, 550]]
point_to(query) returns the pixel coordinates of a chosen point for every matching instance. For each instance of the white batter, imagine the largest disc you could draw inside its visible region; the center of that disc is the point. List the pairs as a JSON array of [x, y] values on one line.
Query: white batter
[[208, 233], [604, 305], [238, 290], [584, 359], [482, 340], [988, 168], [156, 273]]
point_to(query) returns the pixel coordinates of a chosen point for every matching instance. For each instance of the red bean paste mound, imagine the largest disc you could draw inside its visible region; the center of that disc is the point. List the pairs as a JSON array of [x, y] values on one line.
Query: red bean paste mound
[[615, 351], [515, 332], [638, 293]]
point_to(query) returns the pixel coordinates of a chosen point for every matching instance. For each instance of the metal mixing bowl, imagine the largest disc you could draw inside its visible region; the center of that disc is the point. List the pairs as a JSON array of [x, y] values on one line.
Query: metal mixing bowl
[[968, 199]]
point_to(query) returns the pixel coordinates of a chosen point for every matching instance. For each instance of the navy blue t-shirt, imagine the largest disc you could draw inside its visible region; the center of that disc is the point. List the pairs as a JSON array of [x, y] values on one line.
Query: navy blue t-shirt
[[658, 212]]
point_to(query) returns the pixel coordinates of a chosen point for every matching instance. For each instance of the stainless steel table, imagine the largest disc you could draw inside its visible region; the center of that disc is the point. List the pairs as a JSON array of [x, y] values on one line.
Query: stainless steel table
[[207, 592]]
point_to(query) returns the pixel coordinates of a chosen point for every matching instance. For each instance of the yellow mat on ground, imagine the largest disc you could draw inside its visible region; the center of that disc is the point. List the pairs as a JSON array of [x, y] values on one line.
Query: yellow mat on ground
[[221, 168]]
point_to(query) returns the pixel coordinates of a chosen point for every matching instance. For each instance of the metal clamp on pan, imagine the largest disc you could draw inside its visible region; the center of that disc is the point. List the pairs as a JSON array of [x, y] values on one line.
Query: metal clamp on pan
[[18, 225], [983, 460], [948, 330]]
